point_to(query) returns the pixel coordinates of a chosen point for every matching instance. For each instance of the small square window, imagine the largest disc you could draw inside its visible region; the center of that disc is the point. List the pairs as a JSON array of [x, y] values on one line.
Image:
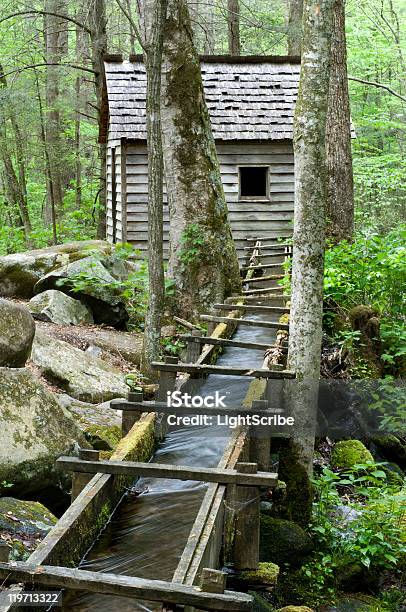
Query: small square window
[[254, 182]]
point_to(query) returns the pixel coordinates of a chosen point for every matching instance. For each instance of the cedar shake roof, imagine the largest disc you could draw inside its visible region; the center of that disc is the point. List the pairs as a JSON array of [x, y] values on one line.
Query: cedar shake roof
[[248, 97]]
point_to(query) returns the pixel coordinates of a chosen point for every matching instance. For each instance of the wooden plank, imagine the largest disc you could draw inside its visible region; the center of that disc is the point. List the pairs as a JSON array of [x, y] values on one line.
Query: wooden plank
[[269, 247], [249, 322], [262, 291], [262, 279], [225, 341], [125, 586], [162, 407], [165, 470], [252, 308], [193, 368]]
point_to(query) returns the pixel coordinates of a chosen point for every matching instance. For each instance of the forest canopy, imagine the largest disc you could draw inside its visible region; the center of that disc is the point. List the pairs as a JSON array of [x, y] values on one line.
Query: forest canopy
[[48, 111]]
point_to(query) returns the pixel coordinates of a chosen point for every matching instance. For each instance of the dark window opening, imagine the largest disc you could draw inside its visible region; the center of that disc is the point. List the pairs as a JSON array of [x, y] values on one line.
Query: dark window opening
[[254, 182]]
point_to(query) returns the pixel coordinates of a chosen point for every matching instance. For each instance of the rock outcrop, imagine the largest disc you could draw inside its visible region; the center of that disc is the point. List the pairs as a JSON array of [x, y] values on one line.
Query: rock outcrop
[[21, 271], [17, 329], [57, 307], [76, 372], [35, 431], [90, 281], [23, 524]]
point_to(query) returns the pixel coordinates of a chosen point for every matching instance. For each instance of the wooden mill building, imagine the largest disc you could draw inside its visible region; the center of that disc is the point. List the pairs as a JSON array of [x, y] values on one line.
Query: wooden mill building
[[251, 104]]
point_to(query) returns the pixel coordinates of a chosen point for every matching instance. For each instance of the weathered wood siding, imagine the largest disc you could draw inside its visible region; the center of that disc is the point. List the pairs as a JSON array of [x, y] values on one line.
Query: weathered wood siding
[[247, 218], [116, 190]]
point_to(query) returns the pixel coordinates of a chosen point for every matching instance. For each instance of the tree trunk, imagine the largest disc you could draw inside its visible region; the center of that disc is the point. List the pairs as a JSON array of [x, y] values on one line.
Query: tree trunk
[[340, 185], [233, 19], [308, 254], [203, 261], [295, 19], [55, 46], [98, 36], [153, 18], [15, 180]]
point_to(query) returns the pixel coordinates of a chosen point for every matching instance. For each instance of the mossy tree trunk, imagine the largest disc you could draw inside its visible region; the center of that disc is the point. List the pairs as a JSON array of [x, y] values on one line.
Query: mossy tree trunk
[[153, 18], [203, 260], [340, 186], [295, 17], [308, 253]]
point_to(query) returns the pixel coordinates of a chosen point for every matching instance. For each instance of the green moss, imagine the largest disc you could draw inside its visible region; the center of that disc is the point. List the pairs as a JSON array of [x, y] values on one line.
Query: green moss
[[295, 609], [348, 453], [103, 437], [283, 541], [266, 574], [297, 506]]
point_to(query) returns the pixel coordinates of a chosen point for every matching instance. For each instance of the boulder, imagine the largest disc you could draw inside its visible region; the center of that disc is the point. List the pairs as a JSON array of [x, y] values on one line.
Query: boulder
[[17, 329], [23, 524], [99, 423], [283, 541], [295, 609], [35, 431], [112, 343], [90, 281], [82, 376], [21, 271], [348, 453], [57, 307], [392, 448]]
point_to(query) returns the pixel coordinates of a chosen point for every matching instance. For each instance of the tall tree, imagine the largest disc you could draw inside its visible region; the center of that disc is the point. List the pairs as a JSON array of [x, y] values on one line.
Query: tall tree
[[153, 14], [55, 33], [340, 192], [14, 172], [305, 330], [295, 18], [233, 22], [98, 39], [203, 261]]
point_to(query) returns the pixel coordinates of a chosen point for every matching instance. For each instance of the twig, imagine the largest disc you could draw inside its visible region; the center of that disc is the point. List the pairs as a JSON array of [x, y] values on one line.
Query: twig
[[381, 85]]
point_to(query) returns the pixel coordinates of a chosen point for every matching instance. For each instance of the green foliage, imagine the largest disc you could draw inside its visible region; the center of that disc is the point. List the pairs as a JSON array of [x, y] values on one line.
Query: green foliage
[[372, 539], [192, 244]]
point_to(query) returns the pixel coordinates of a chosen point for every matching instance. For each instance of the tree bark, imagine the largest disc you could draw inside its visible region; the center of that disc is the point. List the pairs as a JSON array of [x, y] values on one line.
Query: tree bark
[[153, 20], [233, 19], [98, 39], [55, 46], [308, 254], [203, 261], [295, 19], [340, 189], [15, 179]]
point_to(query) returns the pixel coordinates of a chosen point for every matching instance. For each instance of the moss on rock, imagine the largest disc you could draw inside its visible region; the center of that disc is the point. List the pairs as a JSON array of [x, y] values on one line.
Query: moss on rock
[[266, 574], [283, 541], [295, 609], [103, 438], [348, 453]]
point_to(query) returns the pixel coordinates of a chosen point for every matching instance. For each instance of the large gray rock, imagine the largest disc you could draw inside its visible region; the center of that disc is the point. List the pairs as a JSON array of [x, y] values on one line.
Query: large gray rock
[[100, 424], [90, 281], [82, 376], [19, 272], [17, 329], [57, 307], [283, 541], [35, 430]]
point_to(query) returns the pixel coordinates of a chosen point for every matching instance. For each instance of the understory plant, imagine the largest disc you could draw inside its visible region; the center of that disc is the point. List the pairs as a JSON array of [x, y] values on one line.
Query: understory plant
[[358, 525]]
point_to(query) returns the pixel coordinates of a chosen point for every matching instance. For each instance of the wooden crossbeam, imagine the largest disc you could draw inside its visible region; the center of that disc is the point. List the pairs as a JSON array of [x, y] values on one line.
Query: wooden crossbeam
[[251, 307], [166, 470], [262, 279], [125, 586], [248, 322], [163, 408], [263, 291], [270, 255], [262, 266], [226, 342], [269, 298], [278, 245], [192, 368]]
